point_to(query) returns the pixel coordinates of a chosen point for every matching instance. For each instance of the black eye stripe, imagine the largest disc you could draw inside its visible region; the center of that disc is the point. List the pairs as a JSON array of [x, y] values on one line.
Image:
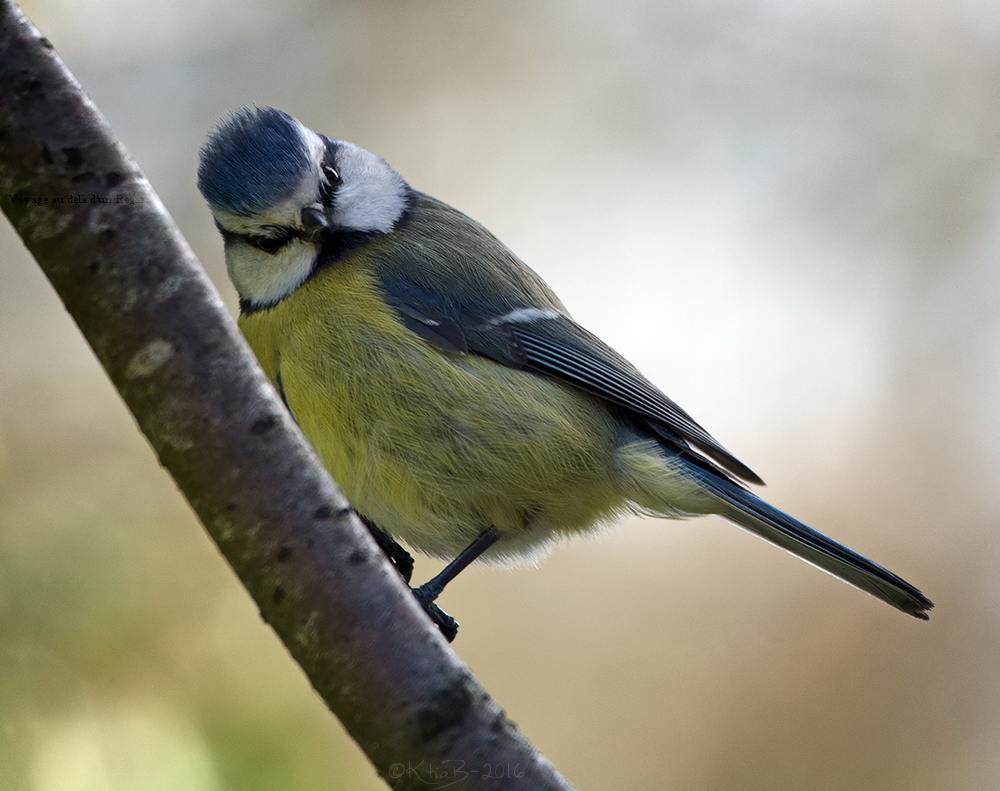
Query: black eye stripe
[[277, 231], [277, 237]]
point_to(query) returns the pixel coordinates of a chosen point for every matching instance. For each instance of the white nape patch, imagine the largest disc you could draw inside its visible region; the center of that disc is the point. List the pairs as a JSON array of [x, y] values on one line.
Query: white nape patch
[[526, 315], [371, 195]]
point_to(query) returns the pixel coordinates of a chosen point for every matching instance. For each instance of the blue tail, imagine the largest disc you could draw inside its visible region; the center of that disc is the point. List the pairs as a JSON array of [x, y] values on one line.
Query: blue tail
[[752, 513]]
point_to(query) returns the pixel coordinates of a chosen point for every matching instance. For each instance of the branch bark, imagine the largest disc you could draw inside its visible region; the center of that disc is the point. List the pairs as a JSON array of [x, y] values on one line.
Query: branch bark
[[158, 327]]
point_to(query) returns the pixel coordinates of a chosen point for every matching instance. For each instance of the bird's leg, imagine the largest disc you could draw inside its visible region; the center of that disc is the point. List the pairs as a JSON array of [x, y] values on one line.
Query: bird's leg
[[399, 557], [430, 590]]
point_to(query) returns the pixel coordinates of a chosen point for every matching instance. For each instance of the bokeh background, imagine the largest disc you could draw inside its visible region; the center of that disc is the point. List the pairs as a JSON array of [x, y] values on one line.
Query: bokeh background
[[785, 212]]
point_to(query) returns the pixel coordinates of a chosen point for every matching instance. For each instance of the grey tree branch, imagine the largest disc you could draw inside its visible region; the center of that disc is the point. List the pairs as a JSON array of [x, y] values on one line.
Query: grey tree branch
[[157, 325]]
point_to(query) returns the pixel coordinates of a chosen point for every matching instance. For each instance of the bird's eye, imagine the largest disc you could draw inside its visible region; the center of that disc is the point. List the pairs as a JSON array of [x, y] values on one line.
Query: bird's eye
[[331, 180], [270, 244]]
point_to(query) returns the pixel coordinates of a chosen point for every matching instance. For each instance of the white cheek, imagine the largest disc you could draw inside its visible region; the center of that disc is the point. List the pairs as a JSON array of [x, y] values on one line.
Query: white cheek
[[372, 196], [264, 279]]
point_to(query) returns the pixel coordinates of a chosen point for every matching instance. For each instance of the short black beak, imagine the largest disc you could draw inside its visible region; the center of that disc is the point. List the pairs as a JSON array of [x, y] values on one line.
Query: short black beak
[[314, 223]]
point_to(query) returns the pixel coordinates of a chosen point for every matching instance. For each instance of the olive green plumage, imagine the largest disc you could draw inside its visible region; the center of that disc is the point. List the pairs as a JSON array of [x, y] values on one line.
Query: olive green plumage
[[443, 384], [435, 446]]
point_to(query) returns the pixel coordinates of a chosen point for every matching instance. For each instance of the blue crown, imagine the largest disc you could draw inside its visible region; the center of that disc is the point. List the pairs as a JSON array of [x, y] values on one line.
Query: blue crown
[[252, 161]]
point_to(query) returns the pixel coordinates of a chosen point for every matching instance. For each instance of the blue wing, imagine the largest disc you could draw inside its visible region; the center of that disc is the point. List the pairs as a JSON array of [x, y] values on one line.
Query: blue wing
[[545, 341]]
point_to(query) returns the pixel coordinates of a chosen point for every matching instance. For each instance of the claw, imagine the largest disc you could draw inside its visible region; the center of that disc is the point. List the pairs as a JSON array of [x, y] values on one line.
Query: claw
[[441, 619]]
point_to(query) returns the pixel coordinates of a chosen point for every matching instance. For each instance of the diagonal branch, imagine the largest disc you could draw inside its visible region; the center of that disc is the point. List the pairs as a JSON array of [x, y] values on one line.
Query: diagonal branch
[[157, 325]]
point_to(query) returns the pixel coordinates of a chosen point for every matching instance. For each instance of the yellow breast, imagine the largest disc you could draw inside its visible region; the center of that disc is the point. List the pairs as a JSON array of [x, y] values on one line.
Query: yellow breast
[[433, 447]]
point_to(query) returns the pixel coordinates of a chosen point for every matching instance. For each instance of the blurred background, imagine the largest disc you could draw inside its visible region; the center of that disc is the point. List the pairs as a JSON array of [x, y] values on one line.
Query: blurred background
[[785, 212]]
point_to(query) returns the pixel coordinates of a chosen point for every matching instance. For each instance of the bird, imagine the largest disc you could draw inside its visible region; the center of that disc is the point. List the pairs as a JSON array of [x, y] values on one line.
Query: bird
[[445, 387]]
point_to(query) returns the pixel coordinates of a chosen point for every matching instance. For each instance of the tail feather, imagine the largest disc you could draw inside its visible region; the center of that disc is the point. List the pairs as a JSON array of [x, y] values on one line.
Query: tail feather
[[757, 516]]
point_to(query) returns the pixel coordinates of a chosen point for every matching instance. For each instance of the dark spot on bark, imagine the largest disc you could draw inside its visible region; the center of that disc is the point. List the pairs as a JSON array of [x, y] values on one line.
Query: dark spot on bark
[[47, 154], [449, 708], [284, 554], [323, 512], [95, 267], [34, 87], [74, 157], [502, 724], [357, 557], [79, 178], [279, 595], [105, 235], [114, 178], [45, 42], [264, 425]]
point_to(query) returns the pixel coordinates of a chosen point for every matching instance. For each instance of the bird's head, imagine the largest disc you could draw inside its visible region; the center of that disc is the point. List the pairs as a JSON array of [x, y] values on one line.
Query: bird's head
[[285, 198]]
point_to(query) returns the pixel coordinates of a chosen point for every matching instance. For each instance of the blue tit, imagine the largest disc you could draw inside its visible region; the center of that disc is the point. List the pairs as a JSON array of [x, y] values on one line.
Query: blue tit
[[445, 387]]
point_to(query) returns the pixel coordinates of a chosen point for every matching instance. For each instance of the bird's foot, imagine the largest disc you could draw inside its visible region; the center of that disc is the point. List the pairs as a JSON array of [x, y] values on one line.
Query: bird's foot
[[399, 557], [441, 619]]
